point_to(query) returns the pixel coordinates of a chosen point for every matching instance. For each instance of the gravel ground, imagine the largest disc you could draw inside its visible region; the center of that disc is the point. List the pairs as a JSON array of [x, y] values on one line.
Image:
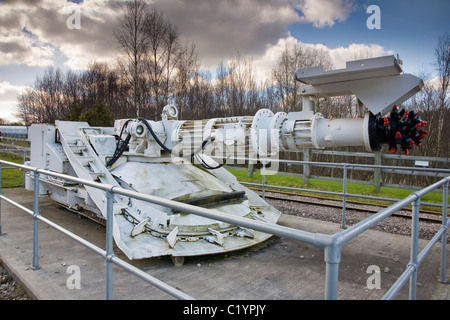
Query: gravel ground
[[10, 290], [396, 225]]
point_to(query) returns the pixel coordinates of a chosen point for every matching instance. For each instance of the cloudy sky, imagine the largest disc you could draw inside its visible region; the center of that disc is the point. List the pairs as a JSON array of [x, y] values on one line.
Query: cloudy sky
[[37, 34]]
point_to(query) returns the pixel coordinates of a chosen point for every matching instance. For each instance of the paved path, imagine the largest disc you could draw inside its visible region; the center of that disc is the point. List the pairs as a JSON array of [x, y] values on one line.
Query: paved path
[[279, 269]]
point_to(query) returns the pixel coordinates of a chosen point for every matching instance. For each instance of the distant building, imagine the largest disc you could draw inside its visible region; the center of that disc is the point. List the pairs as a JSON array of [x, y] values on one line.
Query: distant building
[[14, 131]]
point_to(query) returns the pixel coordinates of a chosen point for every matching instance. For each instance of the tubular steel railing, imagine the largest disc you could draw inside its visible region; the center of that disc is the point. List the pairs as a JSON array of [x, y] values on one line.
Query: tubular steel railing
[[330, 244], [344, 166]]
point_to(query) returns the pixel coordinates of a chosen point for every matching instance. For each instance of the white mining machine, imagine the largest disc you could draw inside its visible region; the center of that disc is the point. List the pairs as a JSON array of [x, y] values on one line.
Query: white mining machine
[[173, 159]]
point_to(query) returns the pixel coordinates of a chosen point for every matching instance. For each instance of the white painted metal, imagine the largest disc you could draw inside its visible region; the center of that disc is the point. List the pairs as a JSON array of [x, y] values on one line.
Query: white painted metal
[[141, 229], [379, 83], [292, 132], [154, 158]]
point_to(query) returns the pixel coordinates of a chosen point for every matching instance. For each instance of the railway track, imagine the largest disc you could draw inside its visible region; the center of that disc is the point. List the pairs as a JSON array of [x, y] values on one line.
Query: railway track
[[431, 216]]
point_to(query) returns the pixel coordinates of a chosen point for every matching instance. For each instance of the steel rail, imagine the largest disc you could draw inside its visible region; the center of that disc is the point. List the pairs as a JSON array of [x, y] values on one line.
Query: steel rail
[[331, 244], [332, 205]]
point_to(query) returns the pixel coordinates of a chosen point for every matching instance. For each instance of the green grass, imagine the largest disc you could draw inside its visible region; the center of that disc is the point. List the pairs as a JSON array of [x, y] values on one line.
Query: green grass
[[15, 142], [11, 178], [333, 186]]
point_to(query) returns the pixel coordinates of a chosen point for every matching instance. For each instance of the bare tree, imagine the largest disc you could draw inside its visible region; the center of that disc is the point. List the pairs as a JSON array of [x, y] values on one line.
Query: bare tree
[[163, 39], [150, 45], [188, 67], [293, 58], [26, 106], [130, 34], [48, 96], [426, 102], [442, 55]]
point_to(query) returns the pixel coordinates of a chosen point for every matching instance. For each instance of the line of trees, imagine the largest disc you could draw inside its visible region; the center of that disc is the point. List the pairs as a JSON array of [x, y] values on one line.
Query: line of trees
[[155, 67]]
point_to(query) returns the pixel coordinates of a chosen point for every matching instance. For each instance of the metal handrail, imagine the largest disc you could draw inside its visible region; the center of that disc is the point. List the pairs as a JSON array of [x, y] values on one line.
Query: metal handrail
[[110, 258], [333, 164], [331, 244], [345, 167]]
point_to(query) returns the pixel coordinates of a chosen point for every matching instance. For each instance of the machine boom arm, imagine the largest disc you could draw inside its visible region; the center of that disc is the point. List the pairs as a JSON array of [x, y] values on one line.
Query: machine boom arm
[[378, 84], [155, 158]]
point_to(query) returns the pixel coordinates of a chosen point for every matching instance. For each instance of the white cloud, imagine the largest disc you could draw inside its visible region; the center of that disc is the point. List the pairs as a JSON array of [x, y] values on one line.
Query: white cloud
[[339, 56], [324, 13], [220, 29], [94, 39], [434, 83], [46, 28], [8, 100], [21, 48], [8, 90], [254, 28], [356, 51], [264, 63], [8, 110]]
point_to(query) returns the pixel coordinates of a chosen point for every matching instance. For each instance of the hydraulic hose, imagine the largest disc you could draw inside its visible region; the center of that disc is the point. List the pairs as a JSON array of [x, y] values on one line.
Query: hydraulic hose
[[170, 151], [120, 147]]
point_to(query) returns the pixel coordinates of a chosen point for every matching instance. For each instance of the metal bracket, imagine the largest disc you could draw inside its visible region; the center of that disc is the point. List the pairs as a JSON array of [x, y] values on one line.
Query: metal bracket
[[216, 237], [245, 232], [379, 83], [172, 237], [139, 228]]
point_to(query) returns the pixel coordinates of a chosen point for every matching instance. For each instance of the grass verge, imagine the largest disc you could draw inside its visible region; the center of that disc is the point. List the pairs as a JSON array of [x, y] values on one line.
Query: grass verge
[[11, 178], [333, 186]]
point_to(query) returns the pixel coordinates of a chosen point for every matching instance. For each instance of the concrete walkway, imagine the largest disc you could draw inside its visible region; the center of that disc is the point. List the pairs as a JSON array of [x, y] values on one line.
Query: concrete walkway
[[278, 269]]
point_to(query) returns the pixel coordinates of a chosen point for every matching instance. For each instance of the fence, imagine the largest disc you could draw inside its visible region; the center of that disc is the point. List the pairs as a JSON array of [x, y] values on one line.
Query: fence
[[330, 244], [376, 158], [345, 167], [14, 151]]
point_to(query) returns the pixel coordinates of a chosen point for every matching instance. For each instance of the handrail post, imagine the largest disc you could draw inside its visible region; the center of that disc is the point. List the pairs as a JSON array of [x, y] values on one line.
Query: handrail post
[[109, 244], [332, 254], [414, 262], [24, 158], [306, 165], [263, 179], [377, 172], [0, 200], [344, 199], [443, 277], [35, 263]]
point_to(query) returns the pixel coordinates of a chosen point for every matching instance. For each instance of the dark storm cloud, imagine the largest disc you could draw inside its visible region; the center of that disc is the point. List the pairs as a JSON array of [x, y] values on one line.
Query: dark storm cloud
[[220, 29]]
